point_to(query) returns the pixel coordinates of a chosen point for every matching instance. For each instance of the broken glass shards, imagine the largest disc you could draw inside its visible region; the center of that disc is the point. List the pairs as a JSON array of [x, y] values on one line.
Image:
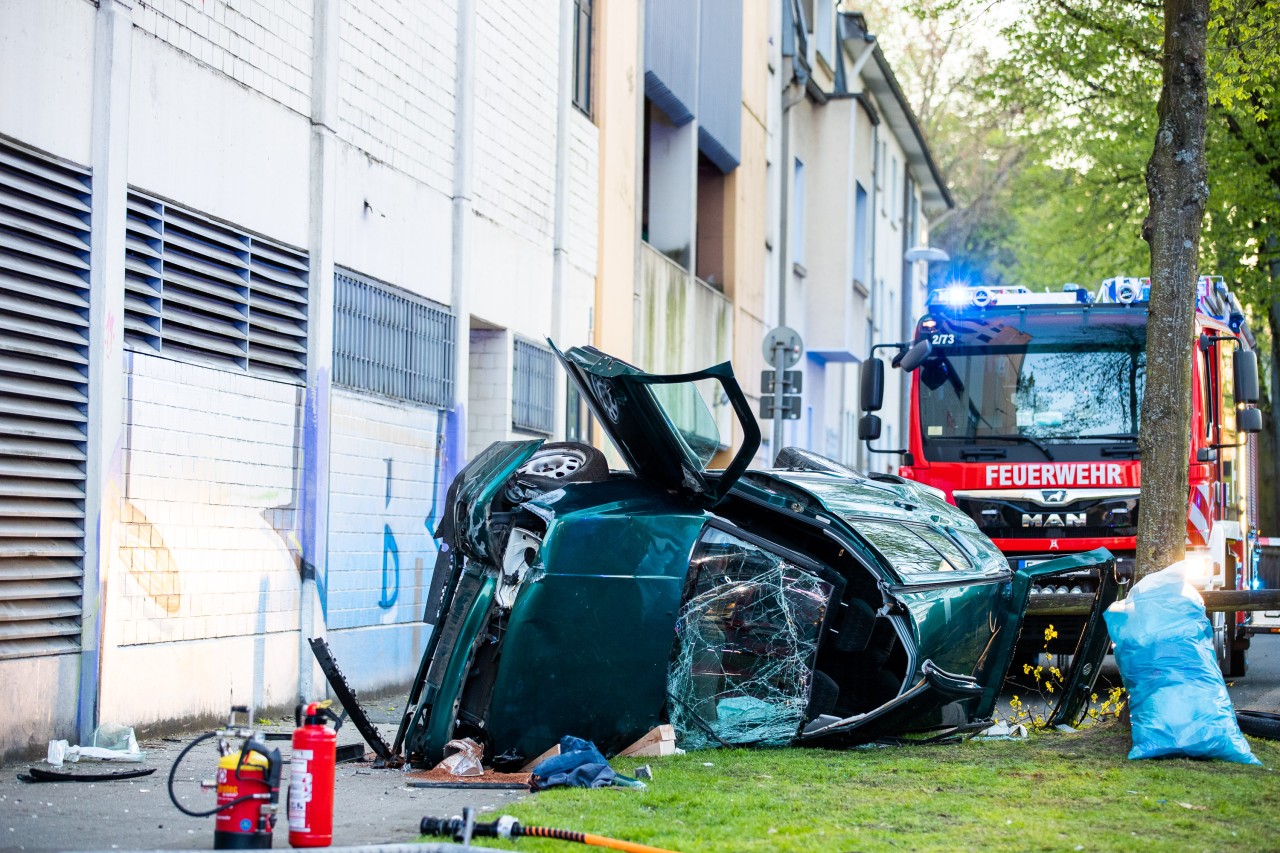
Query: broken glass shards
[[747, 636]]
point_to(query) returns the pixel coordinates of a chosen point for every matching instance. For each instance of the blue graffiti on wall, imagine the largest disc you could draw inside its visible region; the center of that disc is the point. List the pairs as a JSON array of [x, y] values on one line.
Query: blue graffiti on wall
[[391, 551]]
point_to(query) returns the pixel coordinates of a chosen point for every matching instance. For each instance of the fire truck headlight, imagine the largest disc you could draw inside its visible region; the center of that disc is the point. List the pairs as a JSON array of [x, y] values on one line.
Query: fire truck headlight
[[1198, 568]]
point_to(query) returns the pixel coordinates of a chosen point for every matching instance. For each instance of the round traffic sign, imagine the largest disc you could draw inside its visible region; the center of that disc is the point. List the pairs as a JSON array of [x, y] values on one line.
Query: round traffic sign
[[788, 341]]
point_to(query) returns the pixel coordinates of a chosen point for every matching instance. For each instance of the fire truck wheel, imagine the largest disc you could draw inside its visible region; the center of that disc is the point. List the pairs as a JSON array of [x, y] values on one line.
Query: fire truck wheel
[[1221, 642], [1237, 650]]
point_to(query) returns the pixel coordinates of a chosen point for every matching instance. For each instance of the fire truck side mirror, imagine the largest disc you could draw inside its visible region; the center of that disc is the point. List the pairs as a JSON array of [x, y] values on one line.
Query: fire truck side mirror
[[869, 427], [916, 355], [1249, 420], [1244, 364], [872, 392]]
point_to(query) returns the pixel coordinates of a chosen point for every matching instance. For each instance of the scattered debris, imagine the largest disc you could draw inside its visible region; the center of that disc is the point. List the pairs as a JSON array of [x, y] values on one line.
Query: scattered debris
[[1003, 731], [121, 750], [579, 765], [349, 752], [644, 771], [661, 740], [1193, 807], [35, 774], [463, 758]]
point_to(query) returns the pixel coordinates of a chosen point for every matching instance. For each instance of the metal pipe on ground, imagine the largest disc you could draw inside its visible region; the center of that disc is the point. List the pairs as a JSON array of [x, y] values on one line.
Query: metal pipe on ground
[[1215, 601]]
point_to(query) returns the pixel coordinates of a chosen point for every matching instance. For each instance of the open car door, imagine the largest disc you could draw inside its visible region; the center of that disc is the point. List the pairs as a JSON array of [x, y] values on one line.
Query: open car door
[[663, 425]]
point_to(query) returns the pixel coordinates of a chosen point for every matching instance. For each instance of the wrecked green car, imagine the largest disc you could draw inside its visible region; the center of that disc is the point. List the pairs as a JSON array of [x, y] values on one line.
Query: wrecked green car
[[806, 604]]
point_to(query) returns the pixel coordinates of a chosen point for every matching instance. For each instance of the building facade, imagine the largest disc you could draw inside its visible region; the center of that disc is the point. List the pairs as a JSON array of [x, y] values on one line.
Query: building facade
[[271, 271], [267, 270]]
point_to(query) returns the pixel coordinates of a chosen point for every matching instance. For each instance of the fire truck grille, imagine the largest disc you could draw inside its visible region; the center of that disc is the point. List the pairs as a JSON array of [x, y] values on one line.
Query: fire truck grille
[[1014, 519]]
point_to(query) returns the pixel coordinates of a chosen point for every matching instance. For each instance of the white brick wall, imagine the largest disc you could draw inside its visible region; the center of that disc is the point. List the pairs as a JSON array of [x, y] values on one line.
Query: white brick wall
[[516, 79], [264, 44], [383, 480], [489, 409], [209, 459], [584, 192], [396, 84]]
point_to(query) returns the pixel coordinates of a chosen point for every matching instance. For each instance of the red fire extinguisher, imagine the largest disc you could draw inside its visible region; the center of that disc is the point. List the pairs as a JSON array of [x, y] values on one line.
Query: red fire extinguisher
[[315, 748], [248, 785]]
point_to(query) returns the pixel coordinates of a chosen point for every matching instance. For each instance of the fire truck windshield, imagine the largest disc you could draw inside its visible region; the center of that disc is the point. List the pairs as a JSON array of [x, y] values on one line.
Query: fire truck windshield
[[1027, 381]]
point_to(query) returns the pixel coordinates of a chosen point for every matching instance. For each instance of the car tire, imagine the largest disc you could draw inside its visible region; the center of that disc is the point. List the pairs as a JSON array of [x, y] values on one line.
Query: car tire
[[1259, 724], [565, 462]]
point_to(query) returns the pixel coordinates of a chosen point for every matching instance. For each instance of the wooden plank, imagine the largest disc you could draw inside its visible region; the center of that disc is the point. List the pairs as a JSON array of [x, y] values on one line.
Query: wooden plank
[[528, 768]]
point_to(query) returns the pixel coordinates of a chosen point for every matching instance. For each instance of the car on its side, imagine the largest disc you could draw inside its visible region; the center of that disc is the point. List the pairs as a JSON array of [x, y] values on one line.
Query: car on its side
[[808, 603]]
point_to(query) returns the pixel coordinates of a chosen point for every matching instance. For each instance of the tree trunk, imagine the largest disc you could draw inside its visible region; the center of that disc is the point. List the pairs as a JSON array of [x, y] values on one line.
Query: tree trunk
[[1177, 188]]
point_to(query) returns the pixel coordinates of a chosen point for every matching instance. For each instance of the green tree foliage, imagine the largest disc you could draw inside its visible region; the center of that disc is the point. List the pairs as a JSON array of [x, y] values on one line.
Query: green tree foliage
[[1091, 70], [1042, 114]]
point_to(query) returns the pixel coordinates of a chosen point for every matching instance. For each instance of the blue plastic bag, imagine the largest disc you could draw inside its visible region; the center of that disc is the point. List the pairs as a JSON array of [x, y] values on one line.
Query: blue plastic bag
[[1178, 702]]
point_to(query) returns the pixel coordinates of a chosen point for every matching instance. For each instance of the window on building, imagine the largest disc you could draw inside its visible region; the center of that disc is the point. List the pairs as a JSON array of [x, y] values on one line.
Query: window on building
[[202, 291], [893, 189], [860, 234], [533, 388], [582, 56], [913, 214], [391, 342], [824, 25], [667, 213], [797, 214], [711, 225]]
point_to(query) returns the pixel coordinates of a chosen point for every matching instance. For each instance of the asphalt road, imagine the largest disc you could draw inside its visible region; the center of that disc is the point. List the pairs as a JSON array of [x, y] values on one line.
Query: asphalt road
[[1260, 689]]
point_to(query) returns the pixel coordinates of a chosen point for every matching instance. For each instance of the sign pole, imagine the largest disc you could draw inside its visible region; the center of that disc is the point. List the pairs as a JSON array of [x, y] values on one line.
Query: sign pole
[[779, 367]]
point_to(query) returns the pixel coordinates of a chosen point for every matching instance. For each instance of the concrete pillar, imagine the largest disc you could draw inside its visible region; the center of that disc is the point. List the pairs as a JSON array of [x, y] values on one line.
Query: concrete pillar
[[104, 473], [316, 416]]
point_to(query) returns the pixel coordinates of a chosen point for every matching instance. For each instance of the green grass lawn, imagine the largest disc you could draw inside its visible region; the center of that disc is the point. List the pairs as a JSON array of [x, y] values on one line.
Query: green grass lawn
[[1056, 792]]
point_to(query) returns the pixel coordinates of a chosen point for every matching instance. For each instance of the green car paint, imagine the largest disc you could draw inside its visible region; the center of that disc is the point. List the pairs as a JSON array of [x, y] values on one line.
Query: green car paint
[[585, 638]]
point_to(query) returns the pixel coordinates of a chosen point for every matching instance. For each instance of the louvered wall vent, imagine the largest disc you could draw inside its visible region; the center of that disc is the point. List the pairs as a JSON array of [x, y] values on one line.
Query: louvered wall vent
[[198, 290], [44, 346], [391, 342]]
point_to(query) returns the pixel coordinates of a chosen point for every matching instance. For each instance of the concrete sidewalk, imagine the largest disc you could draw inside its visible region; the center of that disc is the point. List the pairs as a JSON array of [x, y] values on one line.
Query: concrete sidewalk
[[371, 806]]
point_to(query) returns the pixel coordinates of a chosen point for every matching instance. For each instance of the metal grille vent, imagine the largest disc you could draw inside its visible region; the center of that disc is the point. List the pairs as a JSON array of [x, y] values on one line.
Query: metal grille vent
[[198, 290], [391, 342], [44, 345], [533, 388]]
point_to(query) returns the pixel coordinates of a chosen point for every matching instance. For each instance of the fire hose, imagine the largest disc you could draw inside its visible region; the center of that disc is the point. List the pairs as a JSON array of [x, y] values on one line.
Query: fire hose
[[463, 829]]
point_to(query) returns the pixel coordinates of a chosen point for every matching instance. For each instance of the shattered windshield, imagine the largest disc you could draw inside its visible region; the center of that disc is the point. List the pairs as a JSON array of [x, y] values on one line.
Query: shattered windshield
[[746, 642], [1024, 381]]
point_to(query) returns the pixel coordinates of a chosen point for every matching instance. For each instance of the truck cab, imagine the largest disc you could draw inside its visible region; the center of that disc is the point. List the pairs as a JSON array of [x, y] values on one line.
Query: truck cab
[[1025, 410]]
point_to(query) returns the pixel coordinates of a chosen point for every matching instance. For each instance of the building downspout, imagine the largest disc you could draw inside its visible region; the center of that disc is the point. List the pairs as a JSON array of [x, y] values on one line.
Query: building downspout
[[463, 215], [871, 256], [314, 483], [559, 258]]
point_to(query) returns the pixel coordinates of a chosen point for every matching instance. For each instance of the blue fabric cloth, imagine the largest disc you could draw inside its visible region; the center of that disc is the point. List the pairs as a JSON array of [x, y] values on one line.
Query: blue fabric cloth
[[579, 765], [1178, 702]]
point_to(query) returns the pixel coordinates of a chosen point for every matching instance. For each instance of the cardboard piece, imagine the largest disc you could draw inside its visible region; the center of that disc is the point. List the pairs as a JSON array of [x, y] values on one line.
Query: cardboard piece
[[660, 740]]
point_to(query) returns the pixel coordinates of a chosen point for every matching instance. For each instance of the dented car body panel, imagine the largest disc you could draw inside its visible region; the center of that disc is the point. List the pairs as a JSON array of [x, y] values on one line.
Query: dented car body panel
[[808, 603]]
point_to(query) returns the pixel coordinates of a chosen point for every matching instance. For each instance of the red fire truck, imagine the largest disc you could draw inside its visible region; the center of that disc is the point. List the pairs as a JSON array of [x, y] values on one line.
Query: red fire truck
[[1024, 412]]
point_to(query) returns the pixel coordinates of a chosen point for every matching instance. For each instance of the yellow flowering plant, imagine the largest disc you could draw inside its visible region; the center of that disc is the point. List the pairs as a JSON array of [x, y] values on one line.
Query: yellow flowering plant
[[1049, 680]]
